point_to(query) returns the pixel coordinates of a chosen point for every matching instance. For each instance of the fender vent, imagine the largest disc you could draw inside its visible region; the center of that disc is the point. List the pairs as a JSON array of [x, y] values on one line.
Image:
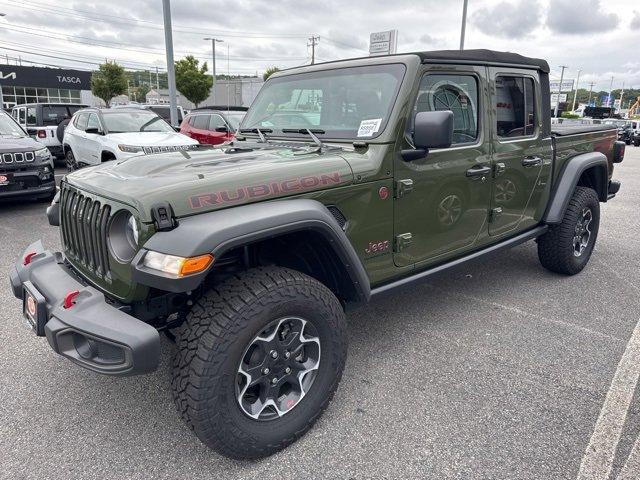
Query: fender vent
[[339, 216]]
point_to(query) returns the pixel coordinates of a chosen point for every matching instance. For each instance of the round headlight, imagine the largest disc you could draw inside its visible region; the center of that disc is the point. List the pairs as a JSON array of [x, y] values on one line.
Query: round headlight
[[123, 236], [132, 231]]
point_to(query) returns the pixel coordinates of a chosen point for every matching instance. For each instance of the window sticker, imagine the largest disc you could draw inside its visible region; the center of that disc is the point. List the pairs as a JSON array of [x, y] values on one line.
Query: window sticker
[[369, 127]]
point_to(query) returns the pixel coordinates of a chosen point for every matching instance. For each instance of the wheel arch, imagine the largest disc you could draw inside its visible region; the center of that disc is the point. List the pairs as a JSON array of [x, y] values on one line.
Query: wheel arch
[[300, 234], [107, 155], [586, 170]]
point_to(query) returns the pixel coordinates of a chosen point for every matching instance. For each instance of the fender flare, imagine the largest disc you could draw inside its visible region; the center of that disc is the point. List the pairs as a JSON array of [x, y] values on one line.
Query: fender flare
[[568, 180], [219, 231]]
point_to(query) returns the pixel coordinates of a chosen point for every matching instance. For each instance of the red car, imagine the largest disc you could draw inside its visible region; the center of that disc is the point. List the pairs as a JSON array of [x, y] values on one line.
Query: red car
[[212, 126]]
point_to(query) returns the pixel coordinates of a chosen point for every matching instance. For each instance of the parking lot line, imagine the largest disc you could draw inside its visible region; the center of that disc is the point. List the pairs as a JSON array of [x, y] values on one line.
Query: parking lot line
[[632, 465], [599, 454]]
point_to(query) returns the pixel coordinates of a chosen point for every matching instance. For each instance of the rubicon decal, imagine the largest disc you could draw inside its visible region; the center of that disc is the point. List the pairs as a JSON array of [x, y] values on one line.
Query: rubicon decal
[[261, 190]]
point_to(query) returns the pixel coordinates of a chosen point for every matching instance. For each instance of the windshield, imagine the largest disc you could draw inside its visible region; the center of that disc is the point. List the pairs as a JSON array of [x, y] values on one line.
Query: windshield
[[9, 127], [142, 121], [234, 119], [342, 103]]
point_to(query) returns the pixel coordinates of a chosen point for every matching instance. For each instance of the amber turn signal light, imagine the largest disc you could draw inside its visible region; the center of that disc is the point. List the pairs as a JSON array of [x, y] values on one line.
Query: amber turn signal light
[[195, 264]]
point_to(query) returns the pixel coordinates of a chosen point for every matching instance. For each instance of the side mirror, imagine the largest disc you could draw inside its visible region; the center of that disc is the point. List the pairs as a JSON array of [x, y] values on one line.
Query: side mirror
[[94, 131], [222, 129], [433, 130]]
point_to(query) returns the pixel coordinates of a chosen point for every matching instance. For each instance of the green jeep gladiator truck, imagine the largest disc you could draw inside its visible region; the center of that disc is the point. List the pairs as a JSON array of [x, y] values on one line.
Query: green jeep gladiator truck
[[347, 179]]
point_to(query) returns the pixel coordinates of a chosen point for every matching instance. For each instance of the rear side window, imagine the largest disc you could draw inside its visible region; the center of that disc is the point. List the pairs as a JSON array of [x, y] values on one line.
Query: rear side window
[[458, 93], [31, 115], [515, 107], [216, 121], [21, 117], [81, 121], [201, 122]]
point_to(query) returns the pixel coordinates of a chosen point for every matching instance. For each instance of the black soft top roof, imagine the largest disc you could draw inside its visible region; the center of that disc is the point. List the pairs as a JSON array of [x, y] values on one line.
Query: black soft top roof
[[485, 57]]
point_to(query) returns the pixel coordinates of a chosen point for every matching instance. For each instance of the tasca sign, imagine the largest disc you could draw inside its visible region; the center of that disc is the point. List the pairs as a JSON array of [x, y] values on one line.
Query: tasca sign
[[567, 85], [19, 76], [383, 43]]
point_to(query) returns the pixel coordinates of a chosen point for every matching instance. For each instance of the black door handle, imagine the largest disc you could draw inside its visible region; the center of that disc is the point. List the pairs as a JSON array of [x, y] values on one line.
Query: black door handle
[[531, 161], [480, 171]]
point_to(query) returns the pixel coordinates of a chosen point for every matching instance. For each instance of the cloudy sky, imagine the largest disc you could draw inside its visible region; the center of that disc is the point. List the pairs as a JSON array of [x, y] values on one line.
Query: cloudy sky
[[600, 37]]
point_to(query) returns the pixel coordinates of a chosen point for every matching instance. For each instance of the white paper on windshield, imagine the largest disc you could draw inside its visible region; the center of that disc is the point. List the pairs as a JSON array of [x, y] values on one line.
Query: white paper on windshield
[[369, 127]]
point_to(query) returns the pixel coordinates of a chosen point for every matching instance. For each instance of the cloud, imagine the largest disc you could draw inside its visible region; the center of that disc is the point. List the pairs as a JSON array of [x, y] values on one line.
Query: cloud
[[567, 16], [431, 40], [508, 20], [635, 21]]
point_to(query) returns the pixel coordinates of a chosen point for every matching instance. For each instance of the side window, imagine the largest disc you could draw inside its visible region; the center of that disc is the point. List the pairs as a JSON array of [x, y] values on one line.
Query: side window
[[515, 106], [458, 93], [21, 116], [216, 121], [81, 121], [31, 115], [93, 122], [201, 122]]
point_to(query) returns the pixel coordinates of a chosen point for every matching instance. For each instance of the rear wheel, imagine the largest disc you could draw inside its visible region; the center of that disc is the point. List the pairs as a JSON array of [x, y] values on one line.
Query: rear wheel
[[259, 358], [567, 247], [70, 160]]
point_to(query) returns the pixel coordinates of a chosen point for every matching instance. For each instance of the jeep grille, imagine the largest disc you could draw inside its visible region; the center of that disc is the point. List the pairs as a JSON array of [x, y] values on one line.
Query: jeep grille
[[83, 223]]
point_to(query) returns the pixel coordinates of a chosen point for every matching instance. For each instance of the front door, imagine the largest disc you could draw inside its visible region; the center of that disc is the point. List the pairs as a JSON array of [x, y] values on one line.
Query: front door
[[442, 199], [521, 159]]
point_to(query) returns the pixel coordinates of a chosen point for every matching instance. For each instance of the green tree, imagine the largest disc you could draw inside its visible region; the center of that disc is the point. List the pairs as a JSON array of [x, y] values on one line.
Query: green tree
[[269, 71], [109, 81], [141, 93], [192, 81]]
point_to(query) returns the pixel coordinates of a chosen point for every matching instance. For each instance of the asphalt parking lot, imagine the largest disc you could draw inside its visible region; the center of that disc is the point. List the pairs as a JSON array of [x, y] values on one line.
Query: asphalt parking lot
[[498, 369]]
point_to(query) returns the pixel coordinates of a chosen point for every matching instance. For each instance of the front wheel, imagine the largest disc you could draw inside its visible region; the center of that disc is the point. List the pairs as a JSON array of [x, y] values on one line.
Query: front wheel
[[567, 247], [259, 358], [70, 161]]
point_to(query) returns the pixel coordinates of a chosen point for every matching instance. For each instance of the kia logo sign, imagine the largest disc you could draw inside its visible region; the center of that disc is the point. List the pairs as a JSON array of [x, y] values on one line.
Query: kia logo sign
[[11, 75], [41, 77]]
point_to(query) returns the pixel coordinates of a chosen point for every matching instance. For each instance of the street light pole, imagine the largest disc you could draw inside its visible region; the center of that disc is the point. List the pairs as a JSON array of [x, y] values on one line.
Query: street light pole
[[1, 97], [559, 90], [591, 85], [575, 95], [464, 24], [171, 74], [213, 65]]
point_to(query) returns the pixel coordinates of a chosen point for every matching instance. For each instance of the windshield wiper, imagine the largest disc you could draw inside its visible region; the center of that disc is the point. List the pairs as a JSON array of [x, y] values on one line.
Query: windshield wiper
[[260, 131], [308, 131]]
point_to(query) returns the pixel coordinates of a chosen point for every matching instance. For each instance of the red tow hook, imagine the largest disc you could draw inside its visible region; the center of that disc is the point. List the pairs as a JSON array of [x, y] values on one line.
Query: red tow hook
[[68, 299], [27, 258]]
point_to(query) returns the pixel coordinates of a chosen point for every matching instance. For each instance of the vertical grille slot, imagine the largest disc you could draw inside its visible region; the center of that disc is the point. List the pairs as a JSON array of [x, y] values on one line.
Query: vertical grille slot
[[84, 223]]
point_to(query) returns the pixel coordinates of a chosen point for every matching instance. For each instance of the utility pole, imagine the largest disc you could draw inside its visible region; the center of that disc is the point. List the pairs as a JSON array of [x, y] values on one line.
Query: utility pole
[[213, 65], [157, 80], [591, 85], [621, 95], [171, 74], [609, 96], [313, 41], [575, 95], [559, 90], [464, 24]]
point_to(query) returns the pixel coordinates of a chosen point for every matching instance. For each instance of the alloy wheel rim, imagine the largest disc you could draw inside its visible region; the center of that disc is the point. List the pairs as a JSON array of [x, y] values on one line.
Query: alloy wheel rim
[[582, 232], [278, 368]]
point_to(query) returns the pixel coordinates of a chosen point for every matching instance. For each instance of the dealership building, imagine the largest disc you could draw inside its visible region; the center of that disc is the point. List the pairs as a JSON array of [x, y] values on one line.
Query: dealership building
[[41, 84]]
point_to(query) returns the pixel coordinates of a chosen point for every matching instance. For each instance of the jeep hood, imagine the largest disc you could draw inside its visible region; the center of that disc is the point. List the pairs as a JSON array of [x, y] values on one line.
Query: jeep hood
[[146, 139], [210, 179]]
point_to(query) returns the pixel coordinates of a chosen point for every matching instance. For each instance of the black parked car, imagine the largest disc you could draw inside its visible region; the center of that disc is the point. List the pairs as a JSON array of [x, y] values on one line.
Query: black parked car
[[26, 166], [625, 134]]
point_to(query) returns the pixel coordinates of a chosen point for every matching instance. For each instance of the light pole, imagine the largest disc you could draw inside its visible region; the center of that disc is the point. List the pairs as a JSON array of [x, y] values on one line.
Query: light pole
[[575, 95], [464, 24], [559, 90], [171, 74], [591, 85], [1, 97], [213, 65], [609, 96]]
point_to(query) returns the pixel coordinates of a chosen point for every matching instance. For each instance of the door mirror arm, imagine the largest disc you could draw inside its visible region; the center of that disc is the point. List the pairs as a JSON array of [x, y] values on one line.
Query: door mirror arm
[[410, 154]]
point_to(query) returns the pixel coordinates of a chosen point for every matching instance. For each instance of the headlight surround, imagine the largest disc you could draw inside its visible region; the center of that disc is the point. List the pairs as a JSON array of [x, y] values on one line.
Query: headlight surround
[[130, 148], [123, 236], [42, 154], [176, 266]]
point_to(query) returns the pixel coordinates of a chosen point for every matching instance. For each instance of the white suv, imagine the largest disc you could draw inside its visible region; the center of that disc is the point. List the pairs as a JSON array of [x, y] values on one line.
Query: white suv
[[96, 135]]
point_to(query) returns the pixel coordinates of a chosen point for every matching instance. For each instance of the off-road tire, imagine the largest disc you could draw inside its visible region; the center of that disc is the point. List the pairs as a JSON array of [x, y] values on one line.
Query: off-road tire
[[213, 339], [556, 247]]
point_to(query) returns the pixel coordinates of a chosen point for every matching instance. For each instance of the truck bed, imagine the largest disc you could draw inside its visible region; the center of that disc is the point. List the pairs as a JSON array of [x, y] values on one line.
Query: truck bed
[[564, 130]]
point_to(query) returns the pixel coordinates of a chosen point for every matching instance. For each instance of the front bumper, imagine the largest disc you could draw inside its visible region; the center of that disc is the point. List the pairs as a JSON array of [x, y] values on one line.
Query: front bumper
[[28, 181], [91, 333]]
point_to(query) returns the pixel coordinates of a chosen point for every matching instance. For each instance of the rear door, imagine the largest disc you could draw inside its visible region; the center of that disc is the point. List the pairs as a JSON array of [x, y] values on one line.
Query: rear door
[[521, 160], [442, 199], [200, 127]]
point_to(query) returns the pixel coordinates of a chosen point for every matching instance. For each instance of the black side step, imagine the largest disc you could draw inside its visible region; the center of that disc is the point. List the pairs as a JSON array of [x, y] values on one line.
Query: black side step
[[511, 242]]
